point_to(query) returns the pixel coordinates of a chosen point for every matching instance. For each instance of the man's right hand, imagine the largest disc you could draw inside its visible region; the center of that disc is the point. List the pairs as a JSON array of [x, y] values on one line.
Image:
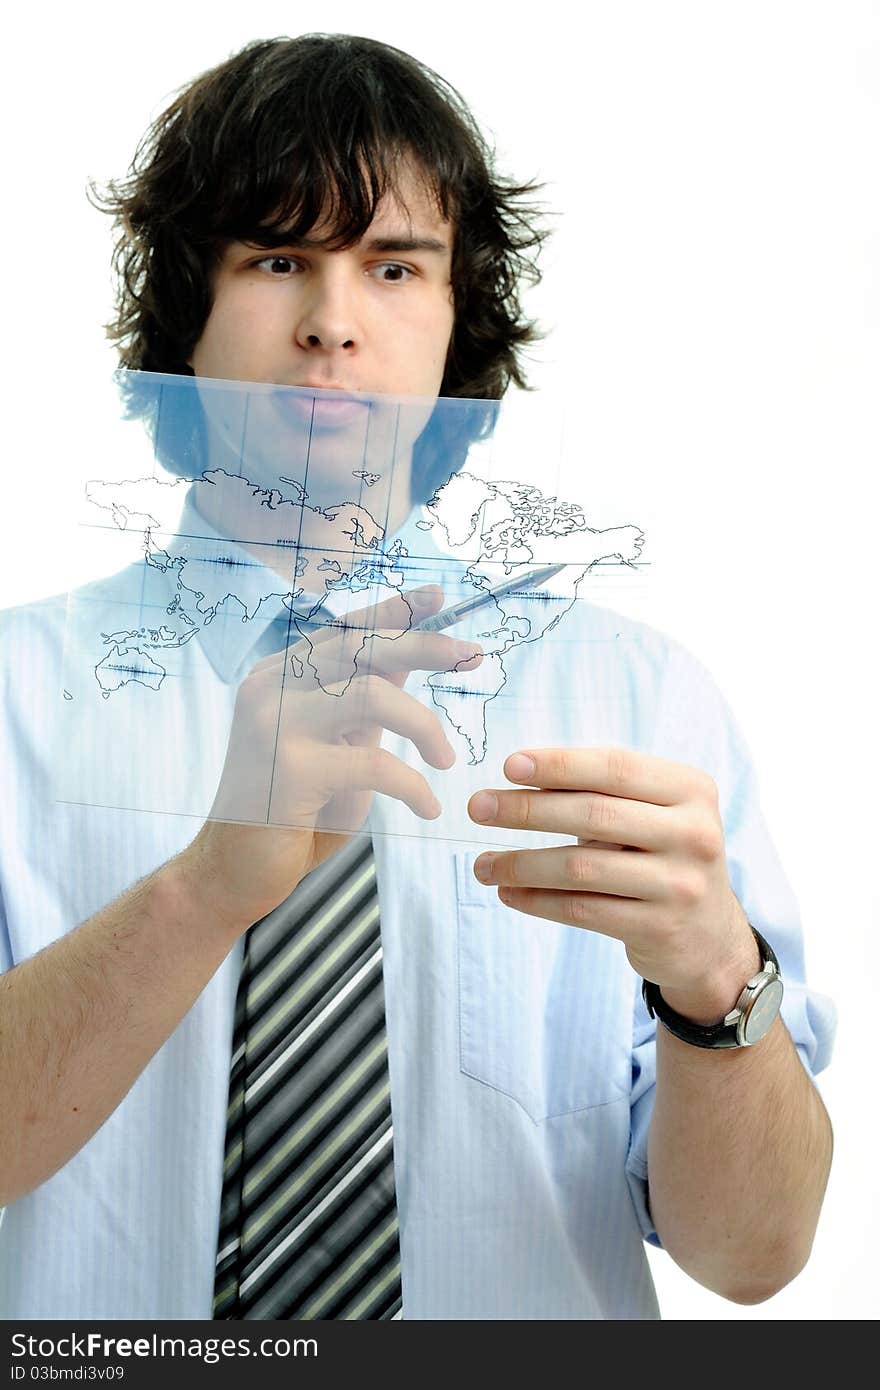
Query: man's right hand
[[304, 758]]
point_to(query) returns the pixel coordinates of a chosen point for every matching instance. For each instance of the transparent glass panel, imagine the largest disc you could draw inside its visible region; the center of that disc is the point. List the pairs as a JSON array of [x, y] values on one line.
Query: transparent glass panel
[[253, 647]]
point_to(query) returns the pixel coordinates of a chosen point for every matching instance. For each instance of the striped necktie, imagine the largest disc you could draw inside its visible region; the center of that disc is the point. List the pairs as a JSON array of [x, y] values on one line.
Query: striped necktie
[[308, 1220]]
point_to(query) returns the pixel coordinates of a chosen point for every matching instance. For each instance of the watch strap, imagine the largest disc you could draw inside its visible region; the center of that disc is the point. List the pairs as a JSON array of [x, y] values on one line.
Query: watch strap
[[714, 1035]]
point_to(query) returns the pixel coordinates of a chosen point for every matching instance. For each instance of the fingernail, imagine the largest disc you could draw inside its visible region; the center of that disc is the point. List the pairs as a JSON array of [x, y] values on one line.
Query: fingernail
[[483, 867], [423, 599], [465, 650], [484, 806], [519, 767]]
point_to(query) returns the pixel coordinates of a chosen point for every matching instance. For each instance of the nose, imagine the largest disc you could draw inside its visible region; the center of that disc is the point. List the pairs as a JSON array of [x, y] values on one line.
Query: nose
[[327, 316]]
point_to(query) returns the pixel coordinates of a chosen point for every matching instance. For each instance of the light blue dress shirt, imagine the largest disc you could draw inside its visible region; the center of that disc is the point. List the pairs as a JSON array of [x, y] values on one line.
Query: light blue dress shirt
[[521, 1056]]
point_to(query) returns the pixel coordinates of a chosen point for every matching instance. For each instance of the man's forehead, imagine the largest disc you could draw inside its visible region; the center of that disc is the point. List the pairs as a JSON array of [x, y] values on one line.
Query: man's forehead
[[408, 212], [406, 218]]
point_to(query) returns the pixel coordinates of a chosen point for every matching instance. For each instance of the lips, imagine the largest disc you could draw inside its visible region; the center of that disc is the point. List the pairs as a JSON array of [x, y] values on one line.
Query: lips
[[322, 406]]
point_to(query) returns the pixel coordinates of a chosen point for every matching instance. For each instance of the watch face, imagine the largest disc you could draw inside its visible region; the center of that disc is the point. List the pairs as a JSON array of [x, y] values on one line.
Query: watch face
[[762, 1012]]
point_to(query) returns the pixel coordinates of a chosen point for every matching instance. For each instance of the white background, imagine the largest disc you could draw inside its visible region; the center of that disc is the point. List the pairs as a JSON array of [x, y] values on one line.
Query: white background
[[713, 294]]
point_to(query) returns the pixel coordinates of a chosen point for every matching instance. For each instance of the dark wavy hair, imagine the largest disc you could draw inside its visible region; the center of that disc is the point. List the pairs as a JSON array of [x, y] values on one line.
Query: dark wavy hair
[[255, 150]]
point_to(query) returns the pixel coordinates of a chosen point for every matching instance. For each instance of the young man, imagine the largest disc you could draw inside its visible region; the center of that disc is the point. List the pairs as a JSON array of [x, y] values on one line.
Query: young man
[[321, 213]]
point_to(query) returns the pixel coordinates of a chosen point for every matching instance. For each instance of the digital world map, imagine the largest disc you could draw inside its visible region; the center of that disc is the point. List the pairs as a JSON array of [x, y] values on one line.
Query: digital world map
[[498, 529]]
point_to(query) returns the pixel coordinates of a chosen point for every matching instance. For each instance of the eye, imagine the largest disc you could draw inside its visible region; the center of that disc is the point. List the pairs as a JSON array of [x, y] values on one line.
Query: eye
[[277, 266], [399, 273]]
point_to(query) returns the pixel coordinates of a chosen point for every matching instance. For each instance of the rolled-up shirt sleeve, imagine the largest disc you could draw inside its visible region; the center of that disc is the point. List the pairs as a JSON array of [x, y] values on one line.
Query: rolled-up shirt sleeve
[[696, 727], [5, 964], [5, 946]]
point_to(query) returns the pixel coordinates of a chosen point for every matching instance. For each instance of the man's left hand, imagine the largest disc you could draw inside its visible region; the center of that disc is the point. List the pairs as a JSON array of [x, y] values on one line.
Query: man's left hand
[[648, 868]]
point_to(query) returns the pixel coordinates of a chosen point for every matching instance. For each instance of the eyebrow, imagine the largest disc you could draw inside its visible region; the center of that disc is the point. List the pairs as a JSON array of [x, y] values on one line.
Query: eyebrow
[[422, 243], [382, 244]]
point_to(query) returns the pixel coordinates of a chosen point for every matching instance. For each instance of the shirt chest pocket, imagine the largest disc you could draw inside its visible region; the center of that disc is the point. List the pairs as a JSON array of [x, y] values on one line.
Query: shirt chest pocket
[[545, 1011]]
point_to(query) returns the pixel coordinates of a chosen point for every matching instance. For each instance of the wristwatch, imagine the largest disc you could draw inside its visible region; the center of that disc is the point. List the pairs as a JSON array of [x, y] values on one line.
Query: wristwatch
[[748, 1021]]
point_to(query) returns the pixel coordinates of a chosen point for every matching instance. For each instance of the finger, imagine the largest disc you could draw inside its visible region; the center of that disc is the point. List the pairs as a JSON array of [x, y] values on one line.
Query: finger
[[391, 657], [361, 708], [588, 815], [390, 653], [372, 701], [343, 650], [622, 918], [576, 869], [399, 613], [404, 609], [614, 771], [346, 769]]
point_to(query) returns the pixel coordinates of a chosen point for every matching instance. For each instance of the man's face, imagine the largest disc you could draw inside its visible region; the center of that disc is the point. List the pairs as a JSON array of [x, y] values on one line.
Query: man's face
[[376, 317]]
